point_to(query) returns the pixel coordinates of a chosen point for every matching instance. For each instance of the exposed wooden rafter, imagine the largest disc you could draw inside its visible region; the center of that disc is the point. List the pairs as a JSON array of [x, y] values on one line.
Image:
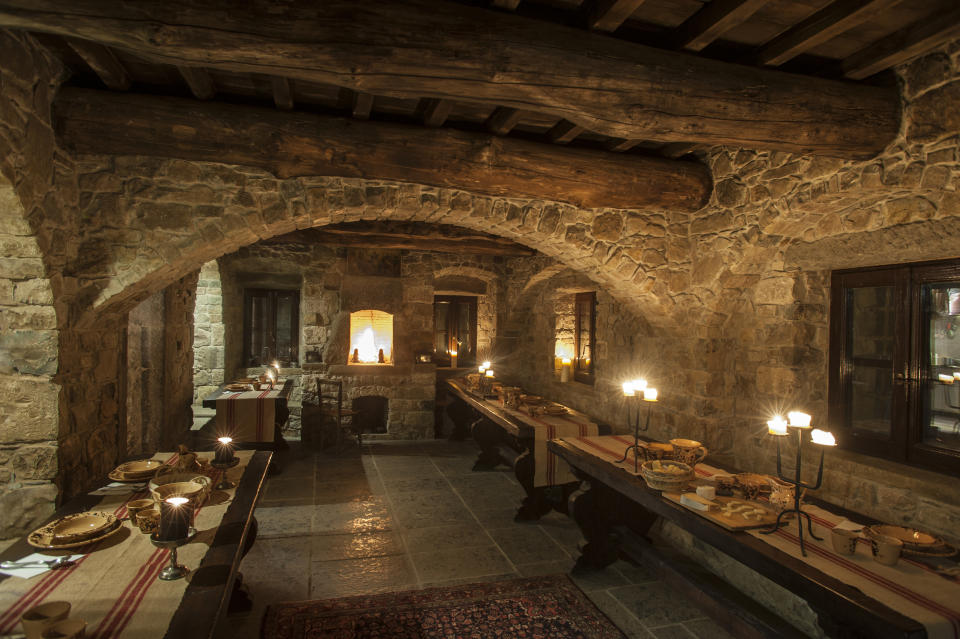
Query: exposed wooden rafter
[[502, 120], [608, 86], [103, 62], [282, 96], [360, 105], [902, 45], [301, 144], [619, 145], [509, 5], [434, 111], [199, 81], [712, 21], [564, 132], [608, 15], [823, 25], [677, 149]]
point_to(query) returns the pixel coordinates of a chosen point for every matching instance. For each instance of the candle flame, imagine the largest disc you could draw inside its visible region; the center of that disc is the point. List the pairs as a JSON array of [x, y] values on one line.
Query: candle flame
[[798, 419], [945, 379], [822, 437], [177, 501], [225, 440], [649, 394], [777, 426], [628, 390], [489, 372], [487, 365]]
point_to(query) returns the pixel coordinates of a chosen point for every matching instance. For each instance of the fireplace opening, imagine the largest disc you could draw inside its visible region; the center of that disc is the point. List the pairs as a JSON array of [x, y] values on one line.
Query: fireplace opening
[[371, 414], [371, 338]]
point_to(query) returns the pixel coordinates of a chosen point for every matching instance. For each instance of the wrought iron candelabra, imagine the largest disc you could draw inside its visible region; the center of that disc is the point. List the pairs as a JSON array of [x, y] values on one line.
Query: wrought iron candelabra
[[799, 422], [638, 390]]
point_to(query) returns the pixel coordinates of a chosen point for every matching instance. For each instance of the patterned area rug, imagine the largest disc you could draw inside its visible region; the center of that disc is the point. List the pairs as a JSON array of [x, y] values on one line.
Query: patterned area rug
[[533, 608]]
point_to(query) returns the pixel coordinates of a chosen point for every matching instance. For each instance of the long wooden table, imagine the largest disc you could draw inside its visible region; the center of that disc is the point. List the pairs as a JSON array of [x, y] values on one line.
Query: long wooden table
[[281, 412], [495, 428], [619, 499], [213, 559]]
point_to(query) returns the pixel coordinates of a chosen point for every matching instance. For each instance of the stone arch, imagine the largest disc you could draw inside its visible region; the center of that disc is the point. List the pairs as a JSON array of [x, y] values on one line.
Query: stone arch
[[175, 216]]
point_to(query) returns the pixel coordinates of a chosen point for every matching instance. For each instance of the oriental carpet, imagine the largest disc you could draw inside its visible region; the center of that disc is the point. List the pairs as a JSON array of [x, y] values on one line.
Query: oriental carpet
[[549, 607]]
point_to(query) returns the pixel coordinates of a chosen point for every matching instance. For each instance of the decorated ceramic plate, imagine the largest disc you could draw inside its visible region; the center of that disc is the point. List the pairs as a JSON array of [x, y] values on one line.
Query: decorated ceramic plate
[[912, 538], [74, 530], [531, 399], [245, 380], [554, 409], [139, 469]]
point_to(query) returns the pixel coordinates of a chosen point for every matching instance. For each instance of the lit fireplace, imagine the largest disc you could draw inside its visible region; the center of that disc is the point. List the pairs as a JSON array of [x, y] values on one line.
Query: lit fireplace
[[371, 338]]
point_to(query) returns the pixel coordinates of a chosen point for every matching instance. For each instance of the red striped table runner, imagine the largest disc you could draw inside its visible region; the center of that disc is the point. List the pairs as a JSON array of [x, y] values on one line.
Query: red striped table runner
[[249, 416], [911, 587], [115, 587]]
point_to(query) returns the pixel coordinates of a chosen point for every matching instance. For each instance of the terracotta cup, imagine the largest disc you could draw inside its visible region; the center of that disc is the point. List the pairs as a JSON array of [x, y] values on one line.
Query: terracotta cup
[[136, 506], [688, 451], [886, 549], [148, 520], [844, 541], [39, 618], [69, 629]]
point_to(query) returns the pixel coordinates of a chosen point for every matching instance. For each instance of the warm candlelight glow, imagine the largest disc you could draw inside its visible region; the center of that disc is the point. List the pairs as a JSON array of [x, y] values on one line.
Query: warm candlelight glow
[[453, 353], [649, 394], [487, 365], [565, 361], [777, 426], [489, 372], [226, 441], [822, 437], [945, 379], [956, 375], [628, 390], [483, 369], [798, 419], [177, 501], [639, 384]]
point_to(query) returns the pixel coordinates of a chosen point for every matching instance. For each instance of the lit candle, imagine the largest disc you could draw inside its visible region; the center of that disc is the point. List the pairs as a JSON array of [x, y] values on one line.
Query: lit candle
[[649, 394], [945, 379], [628, 390], [639, 384], [453, 359], [489, 372], [270, 378], [797, 419], [777, 426], [276, 366], [487, 365], [565, 367], [175, 516], [224, 451], [822, 438], [483, 369]]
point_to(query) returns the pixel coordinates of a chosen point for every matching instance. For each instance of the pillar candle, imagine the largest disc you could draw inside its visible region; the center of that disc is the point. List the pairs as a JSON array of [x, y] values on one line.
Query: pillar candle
[[565, 366], [224, 450], [453, 359], [176, 513]]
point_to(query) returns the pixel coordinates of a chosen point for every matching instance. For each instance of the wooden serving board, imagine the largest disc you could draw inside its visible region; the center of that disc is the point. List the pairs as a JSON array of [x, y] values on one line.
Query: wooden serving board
[[729, 522]]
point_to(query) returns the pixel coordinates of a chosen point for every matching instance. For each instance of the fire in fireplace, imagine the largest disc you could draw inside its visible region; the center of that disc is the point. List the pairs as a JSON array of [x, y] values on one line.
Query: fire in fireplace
[[371, 337]]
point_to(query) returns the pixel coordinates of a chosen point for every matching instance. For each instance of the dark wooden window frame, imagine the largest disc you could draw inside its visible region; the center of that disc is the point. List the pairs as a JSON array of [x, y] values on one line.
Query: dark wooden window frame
[[272, 295], [456, 304], [905, 443], [584, 311]]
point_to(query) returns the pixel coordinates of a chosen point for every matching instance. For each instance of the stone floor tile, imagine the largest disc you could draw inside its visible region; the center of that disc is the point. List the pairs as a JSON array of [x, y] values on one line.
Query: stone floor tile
[[283, 521], [707, 629], [675, 631], [470, 580], [417, 484], [288, 491], [620, 616], [356, 545], [555, 567], [602, 579], [360, 576], [342, 491], [635, 572], [417, 468], [462, 535], [526, 544], [454, 466], [497, 517], [460, 563], [352, 517], [340, 470], [656, 604], [568, 538]]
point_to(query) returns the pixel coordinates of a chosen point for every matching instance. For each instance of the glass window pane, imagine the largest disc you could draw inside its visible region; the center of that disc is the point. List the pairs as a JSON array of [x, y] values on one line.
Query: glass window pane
[[284, 329], [441, 314], [870, 348], [940, 394], [464, 330]]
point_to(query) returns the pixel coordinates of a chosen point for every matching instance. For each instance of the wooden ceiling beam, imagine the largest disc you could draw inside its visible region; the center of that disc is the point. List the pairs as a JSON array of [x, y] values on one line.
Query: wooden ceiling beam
[[677, 149], [619, 145], [199, 81], [430, 48], [362, 104], [564, 132], [608, 15], [502, 120], [712, 21], [103, 62], [301, 144], [911, 41], [823, 25], [509, 5], [427, 241], [434, 111], [282, 95]]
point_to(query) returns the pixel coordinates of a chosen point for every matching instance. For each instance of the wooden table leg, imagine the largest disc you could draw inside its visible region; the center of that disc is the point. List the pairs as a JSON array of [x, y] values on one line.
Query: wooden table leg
[[488, 437], [537, 503], [597, 511]]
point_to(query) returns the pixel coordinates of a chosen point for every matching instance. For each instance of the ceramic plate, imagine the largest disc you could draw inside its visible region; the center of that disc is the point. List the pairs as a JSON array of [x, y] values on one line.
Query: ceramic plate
[[912, 538], [554, 410], [124, 478], [237, 388], [142, 467], [74, 530]]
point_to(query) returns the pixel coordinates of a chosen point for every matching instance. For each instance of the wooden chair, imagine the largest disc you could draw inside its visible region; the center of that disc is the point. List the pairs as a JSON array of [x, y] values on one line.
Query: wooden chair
[[330, 404]]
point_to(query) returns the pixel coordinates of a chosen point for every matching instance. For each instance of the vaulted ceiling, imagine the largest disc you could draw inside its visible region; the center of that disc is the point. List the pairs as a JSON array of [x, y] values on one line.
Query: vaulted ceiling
[[590, 101]]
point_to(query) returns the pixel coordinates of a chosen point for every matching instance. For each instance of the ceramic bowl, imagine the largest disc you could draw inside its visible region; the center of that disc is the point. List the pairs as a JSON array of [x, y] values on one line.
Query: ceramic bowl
[[74, 528]]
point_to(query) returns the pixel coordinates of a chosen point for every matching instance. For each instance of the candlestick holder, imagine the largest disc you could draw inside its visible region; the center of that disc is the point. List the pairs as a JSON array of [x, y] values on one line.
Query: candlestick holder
[[225, 484], [637, 392], [798, 484], [174, 571]]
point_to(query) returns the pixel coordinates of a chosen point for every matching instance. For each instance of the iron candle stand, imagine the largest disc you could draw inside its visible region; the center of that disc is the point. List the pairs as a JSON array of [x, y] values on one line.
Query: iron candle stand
[[639, 391]]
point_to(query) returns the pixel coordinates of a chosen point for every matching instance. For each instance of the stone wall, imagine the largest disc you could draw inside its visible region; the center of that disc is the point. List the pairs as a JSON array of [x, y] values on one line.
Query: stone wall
[[208, 333], [145, 384], [178, 359]]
